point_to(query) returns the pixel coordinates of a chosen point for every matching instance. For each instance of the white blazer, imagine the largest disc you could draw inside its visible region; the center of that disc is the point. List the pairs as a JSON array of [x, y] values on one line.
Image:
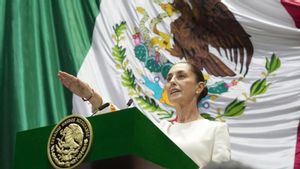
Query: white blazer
[[202, 140]]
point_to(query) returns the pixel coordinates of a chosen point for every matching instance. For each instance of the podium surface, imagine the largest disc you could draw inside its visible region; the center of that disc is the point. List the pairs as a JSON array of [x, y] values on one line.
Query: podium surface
[[125, 135]]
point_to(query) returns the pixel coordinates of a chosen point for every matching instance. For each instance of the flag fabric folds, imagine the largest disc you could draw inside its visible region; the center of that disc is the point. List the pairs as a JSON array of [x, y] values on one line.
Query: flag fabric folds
[[122, 49], [129, 56]]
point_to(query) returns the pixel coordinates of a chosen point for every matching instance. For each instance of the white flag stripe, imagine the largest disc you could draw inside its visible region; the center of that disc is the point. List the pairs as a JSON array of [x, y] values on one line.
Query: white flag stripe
[[265, 135]]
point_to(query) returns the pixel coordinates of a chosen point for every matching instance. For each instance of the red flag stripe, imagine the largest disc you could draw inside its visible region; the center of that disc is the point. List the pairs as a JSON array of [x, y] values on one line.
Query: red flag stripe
[[293, 8], [297, 152]]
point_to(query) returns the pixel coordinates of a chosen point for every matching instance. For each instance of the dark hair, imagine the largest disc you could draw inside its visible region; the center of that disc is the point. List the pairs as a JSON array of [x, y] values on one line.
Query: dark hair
[[199, 78]]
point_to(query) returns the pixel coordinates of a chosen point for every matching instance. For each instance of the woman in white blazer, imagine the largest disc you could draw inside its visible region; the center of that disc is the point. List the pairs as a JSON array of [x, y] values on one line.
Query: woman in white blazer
[[202, 140]]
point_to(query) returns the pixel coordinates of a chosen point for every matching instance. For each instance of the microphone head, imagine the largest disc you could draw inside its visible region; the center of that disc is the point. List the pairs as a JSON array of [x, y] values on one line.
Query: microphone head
[[103, 106], [100, 108], [130, 101]]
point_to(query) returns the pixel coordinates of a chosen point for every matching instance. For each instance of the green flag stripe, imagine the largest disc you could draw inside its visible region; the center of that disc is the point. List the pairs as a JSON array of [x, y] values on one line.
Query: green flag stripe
[[38, 39]]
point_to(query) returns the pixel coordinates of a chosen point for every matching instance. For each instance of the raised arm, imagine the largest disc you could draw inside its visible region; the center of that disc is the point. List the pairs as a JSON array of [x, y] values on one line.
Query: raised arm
[[81, 89]]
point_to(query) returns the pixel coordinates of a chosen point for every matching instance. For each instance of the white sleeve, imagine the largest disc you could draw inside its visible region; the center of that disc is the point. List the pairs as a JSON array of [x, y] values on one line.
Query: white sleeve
[[221, 149]]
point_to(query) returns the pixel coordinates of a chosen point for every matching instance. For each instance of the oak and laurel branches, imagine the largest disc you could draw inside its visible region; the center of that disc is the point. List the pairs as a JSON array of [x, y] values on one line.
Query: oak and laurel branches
[[118, 51], [128, 78], [258, 87], [149, 104], [233, 109], [261, 86]]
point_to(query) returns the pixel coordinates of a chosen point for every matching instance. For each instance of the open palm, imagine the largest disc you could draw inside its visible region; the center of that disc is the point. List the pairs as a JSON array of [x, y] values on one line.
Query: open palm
[[75, 85]]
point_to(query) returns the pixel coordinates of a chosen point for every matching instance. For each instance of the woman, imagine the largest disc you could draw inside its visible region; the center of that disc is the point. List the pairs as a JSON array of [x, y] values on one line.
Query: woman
[[202, 140]]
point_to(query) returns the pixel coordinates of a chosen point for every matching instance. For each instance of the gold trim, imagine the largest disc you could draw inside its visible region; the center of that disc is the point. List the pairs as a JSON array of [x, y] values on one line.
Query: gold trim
[[69, 142]]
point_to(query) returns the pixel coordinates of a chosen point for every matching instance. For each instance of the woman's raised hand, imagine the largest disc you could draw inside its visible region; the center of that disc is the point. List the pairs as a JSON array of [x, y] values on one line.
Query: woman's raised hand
[[75, 85], [81, 89]]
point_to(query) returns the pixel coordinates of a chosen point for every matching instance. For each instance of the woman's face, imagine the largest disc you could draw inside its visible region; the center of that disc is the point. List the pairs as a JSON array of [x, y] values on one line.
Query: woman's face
[[181, 85]]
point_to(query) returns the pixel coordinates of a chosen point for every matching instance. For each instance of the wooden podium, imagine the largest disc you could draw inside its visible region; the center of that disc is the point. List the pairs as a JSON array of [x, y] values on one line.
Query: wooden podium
[[122, 139]]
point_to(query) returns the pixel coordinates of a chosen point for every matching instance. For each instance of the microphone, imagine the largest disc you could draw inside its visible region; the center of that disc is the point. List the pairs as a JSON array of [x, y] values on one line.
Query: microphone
[[130, 101], [103, 106]]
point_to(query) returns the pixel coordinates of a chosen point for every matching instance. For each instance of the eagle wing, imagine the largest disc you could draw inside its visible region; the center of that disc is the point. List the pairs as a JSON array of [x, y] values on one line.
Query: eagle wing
[[209, 22], [225, 32]]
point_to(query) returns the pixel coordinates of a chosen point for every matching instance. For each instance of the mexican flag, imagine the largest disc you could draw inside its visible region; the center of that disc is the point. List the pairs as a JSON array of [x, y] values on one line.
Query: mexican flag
[[123, 50]]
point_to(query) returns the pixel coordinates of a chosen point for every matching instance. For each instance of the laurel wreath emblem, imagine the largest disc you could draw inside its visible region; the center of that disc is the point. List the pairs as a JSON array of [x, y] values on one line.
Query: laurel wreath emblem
[[69, 142], [234, 109]]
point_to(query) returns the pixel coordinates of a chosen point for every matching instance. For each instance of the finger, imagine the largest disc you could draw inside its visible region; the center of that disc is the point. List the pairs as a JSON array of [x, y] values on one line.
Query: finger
[[66, 75], [62, 76], [67, 82], [61, 73], [66, 78], [74, 84]]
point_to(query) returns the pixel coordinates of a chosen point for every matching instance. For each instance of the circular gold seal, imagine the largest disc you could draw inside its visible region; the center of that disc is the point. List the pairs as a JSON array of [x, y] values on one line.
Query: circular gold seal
[[69, 142]]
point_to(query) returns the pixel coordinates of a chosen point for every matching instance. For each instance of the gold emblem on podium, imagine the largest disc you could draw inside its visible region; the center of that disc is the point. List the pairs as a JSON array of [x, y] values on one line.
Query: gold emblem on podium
[[69, 142]]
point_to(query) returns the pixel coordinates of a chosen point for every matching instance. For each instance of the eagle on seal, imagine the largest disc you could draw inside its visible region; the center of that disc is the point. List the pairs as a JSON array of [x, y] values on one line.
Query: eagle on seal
[[209, 22]]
